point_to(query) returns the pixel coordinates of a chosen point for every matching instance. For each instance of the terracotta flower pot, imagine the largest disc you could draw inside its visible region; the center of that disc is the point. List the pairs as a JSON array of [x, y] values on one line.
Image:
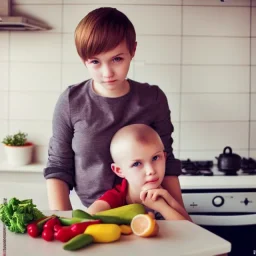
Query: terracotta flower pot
[[19, 155]]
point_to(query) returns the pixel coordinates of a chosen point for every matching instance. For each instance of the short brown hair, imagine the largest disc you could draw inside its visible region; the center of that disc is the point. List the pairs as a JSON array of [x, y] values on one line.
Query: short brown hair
[[102, 30]]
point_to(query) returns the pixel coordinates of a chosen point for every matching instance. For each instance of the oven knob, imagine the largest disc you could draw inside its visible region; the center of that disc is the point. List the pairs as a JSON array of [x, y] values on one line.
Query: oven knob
[[218, 201]]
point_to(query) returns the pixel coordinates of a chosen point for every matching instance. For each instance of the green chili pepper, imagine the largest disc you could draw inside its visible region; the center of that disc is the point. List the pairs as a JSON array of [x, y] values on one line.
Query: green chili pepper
[[78, 242]]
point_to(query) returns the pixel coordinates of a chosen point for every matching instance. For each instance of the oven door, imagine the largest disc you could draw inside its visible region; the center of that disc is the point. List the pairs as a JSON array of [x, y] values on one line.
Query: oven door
[[238, 228]]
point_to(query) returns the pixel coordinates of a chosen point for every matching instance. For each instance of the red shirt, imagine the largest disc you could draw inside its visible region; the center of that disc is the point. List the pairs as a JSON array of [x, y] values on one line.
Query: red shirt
[[116, 197]]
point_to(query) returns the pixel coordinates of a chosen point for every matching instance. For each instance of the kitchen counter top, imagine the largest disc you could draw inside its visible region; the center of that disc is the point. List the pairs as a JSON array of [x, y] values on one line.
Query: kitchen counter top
[[34, 167], [178, 238]]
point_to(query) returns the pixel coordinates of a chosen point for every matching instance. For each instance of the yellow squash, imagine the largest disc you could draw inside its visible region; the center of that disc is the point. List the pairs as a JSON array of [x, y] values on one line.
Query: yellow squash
[[104, 233]]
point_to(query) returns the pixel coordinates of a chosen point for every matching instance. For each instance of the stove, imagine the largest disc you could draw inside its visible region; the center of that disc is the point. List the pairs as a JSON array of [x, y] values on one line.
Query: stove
[[223, 204], [207, 168], [205, 174]]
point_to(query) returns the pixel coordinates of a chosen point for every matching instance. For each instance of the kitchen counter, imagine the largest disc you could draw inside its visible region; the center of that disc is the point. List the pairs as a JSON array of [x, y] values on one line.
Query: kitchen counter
[[30, 168], [177, 238]]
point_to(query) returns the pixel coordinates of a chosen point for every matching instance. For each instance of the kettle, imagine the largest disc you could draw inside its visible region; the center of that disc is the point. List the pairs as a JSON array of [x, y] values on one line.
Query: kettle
[[229, 162]]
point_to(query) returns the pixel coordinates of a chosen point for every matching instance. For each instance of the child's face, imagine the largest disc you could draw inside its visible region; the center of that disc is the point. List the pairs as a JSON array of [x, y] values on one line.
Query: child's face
[[143, 165], [109, 70]]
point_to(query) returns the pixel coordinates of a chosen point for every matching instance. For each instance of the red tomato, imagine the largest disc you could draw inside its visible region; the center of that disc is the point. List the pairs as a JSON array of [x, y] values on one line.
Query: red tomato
[[48, 234], [33, 230]]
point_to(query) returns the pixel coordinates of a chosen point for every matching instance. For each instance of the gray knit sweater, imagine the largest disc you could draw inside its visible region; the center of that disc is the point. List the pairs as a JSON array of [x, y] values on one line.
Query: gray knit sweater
[[83, 125]]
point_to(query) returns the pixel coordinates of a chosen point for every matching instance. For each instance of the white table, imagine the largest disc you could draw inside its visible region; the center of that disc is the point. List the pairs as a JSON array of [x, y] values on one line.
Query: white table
[[176, 238]]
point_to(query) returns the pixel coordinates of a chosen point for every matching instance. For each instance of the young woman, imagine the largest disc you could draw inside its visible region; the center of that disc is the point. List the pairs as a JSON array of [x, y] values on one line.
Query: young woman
[[88, 114]]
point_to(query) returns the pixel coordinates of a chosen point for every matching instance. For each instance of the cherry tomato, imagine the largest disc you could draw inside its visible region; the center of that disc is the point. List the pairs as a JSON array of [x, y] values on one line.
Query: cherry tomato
[[48, 234], [33, 230]]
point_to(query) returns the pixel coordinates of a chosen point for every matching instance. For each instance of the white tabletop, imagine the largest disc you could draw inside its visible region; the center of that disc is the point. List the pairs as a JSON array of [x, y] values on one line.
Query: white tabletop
[[175, 238]]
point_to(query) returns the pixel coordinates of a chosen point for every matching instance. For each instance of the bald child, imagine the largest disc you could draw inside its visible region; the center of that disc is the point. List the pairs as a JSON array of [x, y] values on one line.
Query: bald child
[[139, 159]]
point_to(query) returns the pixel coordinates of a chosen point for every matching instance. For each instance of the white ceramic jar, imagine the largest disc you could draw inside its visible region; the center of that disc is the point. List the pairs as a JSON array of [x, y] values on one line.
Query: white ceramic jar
[[19, 155]]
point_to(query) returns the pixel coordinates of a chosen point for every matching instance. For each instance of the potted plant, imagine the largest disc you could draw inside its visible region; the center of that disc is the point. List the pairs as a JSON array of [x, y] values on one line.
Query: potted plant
[[18, 150]]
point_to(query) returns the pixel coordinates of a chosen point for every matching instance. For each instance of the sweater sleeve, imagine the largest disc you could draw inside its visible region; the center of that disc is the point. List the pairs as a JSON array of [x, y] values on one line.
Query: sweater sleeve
[[164, 127], [60, 163]]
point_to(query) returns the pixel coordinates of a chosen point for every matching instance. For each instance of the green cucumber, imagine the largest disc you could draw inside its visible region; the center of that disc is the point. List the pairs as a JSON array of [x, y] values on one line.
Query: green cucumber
[[78, 242], [81, 214]]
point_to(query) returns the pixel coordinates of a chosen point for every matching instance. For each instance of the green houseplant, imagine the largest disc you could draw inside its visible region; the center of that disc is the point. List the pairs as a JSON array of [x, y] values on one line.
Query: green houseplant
[[18, 150]]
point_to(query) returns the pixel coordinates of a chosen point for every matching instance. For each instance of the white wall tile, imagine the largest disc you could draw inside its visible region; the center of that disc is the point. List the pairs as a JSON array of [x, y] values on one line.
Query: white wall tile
[[253, 78], [253, 136], [4, 46], [253, 106], [3, 133], [215, 79], [4, 76], [131, 70], [218, 3], [3, 105], [36, 2], [158, 50], [199, 155], [253, 2], [252, 153], [253, 51], [132, 2], [3, 129], [69, 53], [175, 136], [215, 107], [78, 12], [48, 14], [40, 154], [216, 21], [167, 77], [253, 28], [35, 77], [208, 50], [176, 154], [25, 105], [208, 155], [214, 136], [73, 73], [174, 106], [39, 132], [36, 47], [166, 21]]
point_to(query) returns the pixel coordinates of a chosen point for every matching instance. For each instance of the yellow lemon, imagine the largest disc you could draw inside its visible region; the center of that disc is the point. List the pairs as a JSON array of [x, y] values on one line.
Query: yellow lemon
[[144, 225]]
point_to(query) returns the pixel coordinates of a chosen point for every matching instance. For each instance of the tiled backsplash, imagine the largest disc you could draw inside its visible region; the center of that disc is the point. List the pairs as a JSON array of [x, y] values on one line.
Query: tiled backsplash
[[201, 53]]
